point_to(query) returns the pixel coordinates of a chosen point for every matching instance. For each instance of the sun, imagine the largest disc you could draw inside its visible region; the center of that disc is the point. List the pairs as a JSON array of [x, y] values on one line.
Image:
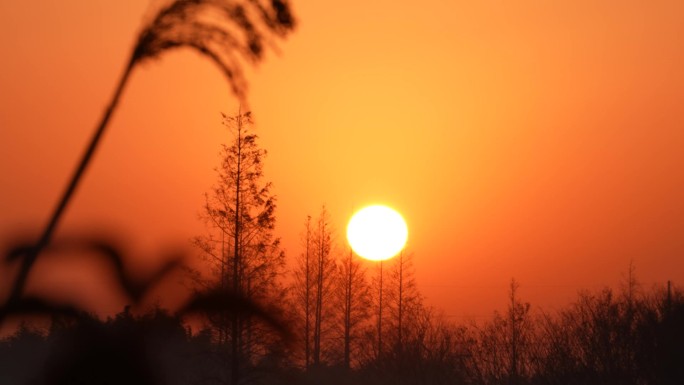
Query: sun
[[377, 232]]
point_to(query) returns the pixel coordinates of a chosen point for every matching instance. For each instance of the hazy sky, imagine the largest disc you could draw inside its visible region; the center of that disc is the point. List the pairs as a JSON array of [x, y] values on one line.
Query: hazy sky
[[537, 140]]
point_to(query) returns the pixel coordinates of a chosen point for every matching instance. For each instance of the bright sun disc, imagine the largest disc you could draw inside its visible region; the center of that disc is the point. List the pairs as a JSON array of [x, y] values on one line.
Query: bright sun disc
[[377, 233]]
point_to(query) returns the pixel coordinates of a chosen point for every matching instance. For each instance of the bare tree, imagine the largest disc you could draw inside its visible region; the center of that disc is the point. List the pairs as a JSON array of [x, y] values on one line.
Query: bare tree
[[354, 297], [313, 289], [379, 305], [404, 299], [504, 346], [518, 324], [303, 288], [324, 281]]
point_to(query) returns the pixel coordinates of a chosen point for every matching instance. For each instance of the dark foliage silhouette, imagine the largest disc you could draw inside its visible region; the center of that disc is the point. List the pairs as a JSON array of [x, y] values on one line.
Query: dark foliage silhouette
[[90, 351], [604, 337]]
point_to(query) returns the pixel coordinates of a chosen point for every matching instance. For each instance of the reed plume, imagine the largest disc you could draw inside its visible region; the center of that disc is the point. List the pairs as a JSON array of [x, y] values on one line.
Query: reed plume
[[223, 31]]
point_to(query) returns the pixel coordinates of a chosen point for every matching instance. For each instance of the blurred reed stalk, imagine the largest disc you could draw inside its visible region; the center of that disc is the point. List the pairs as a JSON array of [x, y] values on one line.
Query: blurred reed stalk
[[181, 23]]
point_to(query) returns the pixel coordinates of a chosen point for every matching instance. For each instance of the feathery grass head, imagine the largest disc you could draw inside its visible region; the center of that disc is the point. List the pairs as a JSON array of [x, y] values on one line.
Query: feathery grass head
[[222, 30]]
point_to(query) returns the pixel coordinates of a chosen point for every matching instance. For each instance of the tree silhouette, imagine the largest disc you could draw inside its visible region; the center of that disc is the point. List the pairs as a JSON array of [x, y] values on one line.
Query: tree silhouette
[[314, 291], [503, 353], [324, 282], [353, 294], [614, 337], [303, 288], [582, 343], [404, 300], [244, 252]]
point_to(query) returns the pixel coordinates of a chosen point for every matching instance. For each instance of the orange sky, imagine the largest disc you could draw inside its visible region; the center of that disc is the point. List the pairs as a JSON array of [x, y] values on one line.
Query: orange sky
[[536, 140]]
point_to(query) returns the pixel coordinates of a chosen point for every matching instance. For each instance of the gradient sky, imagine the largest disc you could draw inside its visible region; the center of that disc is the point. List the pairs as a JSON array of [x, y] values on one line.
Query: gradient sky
[[537, 140]]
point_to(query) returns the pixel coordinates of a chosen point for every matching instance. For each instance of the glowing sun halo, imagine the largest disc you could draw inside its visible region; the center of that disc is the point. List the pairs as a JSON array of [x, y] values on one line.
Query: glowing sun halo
[[377, 232]]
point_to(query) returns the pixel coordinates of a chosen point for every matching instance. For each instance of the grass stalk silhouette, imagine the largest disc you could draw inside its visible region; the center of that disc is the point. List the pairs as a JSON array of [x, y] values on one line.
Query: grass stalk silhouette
[[181, 23]]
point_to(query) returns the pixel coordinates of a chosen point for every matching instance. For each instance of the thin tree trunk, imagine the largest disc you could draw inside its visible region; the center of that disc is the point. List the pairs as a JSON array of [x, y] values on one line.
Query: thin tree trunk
[[513, 378], [246, 352], [347, 314], [235, 330], [319, 297], [401, 301], [223, 333], [307, 327], [380, 315]]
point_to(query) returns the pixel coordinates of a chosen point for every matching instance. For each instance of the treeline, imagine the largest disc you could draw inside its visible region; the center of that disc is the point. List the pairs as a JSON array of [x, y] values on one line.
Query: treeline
[[630, 336], [348, 321], [330, 318]]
